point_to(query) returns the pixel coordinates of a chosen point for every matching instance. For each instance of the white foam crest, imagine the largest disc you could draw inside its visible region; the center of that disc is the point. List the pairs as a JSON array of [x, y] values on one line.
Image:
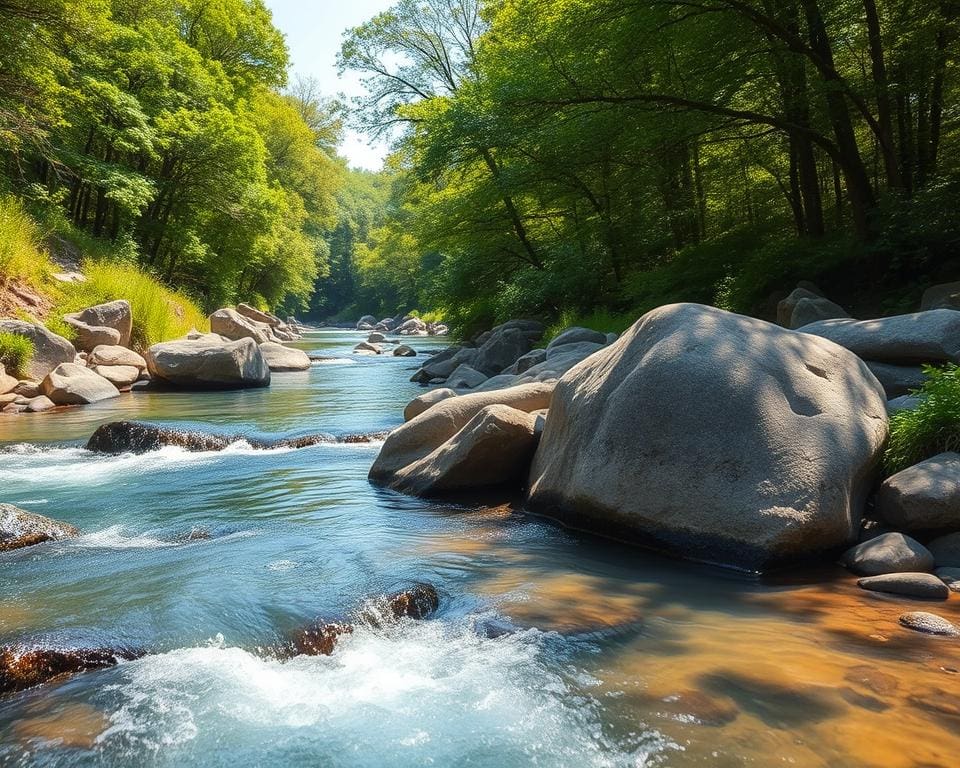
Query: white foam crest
[[64, 465], [334, 361], [116, 537], [423, 692]]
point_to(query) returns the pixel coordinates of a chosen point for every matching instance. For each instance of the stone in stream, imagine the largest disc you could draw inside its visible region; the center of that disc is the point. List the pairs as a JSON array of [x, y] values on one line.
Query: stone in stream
[[423, 434], [320, 639], [49, 349], [23, 667], [281, 358], [929, 623], [208, 362], [252, 313], [72, 384], [924, 497], [19, 528], [924, 586], [40, 404], [404, 351], [888, 553], [366, 348], [714, 436], [492, 450]]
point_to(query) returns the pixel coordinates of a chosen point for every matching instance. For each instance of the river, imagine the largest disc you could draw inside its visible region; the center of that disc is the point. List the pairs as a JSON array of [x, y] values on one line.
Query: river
[[549, 648]]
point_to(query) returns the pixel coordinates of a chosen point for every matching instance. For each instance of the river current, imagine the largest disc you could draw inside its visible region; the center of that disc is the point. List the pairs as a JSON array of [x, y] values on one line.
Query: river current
[[550, 648]]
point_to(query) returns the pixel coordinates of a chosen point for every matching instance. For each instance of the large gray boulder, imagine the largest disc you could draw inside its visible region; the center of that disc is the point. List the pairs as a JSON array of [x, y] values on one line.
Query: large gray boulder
[[897, 380], [423, 434], [110, 323], [888, 553], [49, 349], [72, 384], [786, 306], [494, 448], [580, 350], [441, 365], [924, 497], [527, 361], [252, 313], [943, 296], [923, 337], [575, 335], [366, 323], [281, 358], [465, 377], [19, 528], [232, 325], [208, 362], [714, 436]]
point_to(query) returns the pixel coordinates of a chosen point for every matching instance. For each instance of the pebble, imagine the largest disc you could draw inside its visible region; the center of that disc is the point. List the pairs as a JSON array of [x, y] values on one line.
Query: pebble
[[929, 623]]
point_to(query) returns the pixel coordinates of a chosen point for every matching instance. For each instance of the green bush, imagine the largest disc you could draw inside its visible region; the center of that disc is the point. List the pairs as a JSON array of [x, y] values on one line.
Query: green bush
[[15, 353], [932, 427], [159, 314]]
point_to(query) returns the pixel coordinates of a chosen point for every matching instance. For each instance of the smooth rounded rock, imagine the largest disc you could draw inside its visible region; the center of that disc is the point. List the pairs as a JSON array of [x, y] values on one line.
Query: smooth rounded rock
[[888, 553], [924, 497], [929, 623], [576, 335], [366, 348], [115, 355], [110, 323], [422, 403], [232, 325], [281, 358], [403, 350], [120, 376], [209, 362], [924, 586], [713, 436]]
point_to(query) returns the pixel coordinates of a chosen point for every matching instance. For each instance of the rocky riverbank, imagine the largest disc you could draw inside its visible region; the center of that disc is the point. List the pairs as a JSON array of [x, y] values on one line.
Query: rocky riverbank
[[244, 347]]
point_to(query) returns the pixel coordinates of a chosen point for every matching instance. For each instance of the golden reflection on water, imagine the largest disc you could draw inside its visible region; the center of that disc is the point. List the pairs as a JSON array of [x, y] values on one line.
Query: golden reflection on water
[[71, 725]]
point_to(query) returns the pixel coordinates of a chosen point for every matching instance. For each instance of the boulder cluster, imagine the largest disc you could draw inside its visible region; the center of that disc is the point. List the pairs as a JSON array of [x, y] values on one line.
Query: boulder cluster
[[402, 325], [245, 345]]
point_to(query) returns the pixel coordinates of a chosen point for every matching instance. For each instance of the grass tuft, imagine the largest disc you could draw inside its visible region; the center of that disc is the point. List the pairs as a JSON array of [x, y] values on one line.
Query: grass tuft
[[932, 427], [15, 353]]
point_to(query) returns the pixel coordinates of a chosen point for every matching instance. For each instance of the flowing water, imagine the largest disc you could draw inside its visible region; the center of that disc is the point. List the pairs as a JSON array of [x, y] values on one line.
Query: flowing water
[[549, 649]]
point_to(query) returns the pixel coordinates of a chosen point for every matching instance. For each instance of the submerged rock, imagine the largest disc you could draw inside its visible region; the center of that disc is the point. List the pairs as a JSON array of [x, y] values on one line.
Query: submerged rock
[[714, 436], [929, 623], [19, 528], [23, 667]]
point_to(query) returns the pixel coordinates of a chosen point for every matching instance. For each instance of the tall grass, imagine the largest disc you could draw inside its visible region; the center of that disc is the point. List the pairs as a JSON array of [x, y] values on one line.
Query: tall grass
[[21, 255], [159, 314], [932, 427], [15, 353]]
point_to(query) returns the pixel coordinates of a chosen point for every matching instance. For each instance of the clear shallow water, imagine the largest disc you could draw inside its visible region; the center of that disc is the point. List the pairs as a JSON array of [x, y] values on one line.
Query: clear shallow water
[[602, 655]]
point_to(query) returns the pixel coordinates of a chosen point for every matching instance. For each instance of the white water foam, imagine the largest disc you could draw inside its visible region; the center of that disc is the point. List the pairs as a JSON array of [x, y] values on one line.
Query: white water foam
[[423, 693]]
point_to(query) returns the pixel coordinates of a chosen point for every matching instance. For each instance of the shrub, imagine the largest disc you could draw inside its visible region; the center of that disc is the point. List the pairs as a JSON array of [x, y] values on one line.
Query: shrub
[[159, 314], [15, 353], [600, 320], [21, 256], [932, 427]]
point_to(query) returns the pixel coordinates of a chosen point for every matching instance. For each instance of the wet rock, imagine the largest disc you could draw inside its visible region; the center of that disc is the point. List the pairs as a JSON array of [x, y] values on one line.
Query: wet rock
[[209, 363], [888, 553], [72, 384], [320, 639], [404, 351], [49, 349], [280, 358], [23, 667], [929, 623], [946, 550], [763, 455], [493, 449], [106, 355], [376, 338], [938, 702], [950, 577], [923, 337], [108, 324], [897, 380], [924, 586], [19, 528], [366, 348], [423, 434], [420, 404]]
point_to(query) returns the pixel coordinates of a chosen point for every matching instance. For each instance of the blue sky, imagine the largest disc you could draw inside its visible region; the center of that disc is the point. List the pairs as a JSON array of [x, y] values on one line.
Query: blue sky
[[313, 29]]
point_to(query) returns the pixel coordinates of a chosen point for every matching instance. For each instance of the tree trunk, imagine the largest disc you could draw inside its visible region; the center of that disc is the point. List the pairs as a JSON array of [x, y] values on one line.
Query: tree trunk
[[880, 83]]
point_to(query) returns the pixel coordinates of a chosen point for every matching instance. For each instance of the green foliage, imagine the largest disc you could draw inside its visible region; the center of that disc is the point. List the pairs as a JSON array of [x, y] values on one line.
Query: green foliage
[[601, 320], [932, 427], [21, 257], [159, 314], [15, 353]]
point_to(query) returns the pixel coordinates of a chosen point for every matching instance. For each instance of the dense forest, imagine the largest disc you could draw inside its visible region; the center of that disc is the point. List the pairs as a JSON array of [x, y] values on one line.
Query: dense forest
[[580, 158], [605, 156]]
